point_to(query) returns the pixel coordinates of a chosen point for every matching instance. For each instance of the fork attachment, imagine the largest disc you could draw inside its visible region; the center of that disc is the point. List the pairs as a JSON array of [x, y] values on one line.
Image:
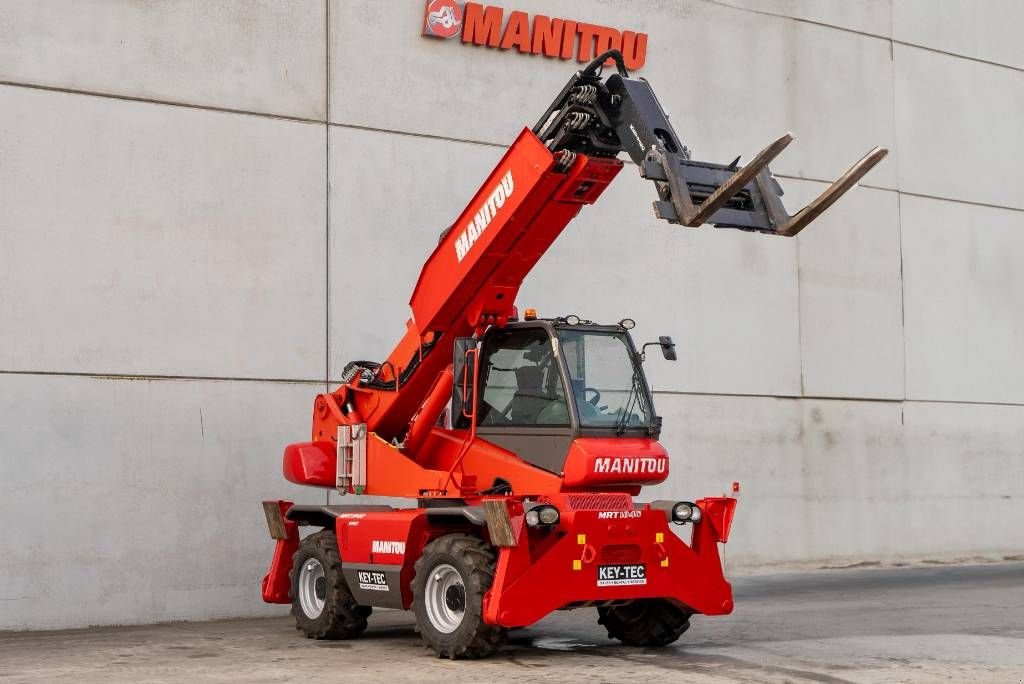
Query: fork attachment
[[692, 192], [603, 117]]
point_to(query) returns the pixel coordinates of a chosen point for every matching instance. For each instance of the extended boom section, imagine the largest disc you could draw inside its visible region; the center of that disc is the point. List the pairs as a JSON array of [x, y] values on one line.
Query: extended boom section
[[471, 280]]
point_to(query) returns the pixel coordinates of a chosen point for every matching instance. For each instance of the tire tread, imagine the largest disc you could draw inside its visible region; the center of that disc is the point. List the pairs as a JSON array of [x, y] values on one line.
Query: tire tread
[[646, 622], [483, 640], [343, 618]]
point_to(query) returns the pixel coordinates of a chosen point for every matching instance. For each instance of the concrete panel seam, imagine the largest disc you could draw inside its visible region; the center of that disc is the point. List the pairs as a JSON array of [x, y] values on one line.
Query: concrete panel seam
[[866, 34], [329, 384], [168, 103], [428, 136], [903, 294], [799, 323], [144, 377], [825, 397], [987, 205], [801, 20], [957, 55], [899, 222], [327, 190]]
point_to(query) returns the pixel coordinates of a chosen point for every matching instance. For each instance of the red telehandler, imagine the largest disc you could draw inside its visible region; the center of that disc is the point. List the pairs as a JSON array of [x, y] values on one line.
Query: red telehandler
[[523, 440]]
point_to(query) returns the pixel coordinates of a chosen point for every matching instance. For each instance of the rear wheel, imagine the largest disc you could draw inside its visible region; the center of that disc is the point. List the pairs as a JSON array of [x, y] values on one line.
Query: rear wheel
[[645, 622], [322, 604], [452, 576]]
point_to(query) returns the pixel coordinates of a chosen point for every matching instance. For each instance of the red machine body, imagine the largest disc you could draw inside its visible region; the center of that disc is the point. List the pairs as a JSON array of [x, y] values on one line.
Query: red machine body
[[446, 419]]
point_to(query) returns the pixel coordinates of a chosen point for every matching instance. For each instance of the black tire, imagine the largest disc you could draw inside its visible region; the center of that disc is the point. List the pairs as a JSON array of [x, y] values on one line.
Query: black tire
[[645, 622], [474, 561], [341, 617]]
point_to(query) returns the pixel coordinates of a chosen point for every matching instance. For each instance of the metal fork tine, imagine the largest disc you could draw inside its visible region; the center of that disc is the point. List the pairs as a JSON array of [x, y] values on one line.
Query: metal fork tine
[[737, 182], [799, 221]]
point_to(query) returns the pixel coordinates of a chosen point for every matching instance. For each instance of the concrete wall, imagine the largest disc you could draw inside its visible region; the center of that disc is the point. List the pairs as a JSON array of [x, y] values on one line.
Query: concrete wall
[[206, 209]]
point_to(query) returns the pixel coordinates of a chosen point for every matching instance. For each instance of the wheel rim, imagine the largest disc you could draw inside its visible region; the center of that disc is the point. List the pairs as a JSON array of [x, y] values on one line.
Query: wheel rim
[[312, 588], [445, 598]]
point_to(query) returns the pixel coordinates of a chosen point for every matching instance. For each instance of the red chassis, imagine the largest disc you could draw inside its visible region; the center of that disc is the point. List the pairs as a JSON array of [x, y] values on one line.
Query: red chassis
[[547, 568]]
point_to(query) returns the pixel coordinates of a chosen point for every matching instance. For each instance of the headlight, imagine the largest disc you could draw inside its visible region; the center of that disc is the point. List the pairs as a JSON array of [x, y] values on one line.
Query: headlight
[[627, 323], [542, 515], [572, 319], [548, 515], [684, 511]]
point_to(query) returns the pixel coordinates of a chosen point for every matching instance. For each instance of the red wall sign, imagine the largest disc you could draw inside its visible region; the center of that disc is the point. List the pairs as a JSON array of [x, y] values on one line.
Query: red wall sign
[[536, 35]]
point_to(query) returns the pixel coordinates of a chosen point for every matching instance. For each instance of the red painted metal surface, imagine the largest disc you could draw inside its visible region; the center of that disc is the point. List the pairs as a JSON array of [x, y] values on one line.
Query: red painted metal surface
[[548, 568], [608, 461], [386, 538], [528, 586], [311, 463]]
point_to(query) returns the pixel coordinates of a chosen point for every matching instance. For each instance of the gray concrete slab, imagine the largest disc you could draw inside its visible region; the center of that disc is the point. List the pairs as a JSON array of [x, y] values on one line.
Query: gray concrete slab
[[252, 55], [956, 126], [934, 623], [850, 480], [873, 17], [851, 297], [146, 510], [390, 198], [957, 26], [964, 294], [144, 239]]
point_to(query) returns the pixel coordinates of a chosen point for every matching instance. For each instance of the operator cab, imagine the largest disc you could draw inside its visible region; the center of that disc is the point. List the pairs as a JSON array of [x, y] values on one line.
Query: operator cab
[[544, 382]]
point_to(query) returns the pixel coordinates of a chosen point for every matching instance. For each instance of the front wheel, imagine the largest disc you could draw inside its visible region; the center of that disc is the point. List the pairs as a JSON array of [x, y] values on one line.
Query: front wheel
[[322, 604], [645, 622], [452, 576]]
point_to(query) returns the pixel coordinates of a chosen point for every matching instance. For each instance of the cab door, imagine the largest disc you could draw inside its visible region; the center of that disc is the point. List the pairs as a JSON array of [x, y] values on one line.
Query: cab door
[[522, 402]]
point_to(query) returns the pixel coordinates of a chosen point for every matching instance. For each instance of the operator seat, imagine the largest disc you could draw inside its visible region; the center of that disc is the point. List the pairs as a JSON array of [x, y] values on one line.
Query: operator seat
[[530, 398]]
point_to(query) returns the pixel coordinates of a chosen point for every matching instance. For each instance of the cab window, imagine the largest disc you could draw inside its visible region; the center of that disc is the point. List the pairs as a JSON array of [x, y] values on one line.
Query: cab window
[[522, 385]]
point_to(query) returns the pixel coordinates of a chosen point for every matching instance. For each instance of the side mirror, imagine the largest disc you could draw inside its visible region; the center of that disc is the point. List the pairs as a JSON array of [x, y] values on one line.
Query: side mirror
[[668, 347]]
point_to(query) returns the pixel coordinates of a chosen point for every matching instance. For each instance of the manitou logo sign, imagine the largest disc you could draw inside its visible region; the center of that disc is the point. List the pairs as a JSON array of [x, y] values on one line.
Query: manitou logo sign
[[536, 35], [476, 226], [631, 465]]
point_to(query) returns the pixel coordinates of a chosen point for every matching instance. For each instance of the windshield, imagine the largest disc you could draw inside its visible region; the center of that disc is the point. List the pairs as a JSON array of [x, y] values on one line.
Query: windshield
[[606, 384]]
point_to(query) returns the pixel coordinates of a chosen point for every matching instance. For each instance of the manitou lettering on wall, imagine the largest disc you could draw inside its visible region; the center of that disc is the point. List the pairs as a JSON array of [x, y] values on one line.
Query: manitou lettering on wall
[[536, 34]]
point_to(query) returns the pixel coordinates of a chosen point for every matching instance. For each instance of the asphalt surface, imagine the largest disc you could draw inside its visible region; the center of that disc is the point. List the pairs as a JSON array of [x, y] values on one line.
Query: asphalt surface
[[922, 623]]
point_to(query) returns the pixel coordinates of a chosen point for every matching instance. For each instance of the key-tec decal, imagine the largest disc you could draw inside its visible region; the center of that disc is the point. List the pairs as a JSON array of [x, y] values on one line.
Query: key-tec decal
[[372, 581], [621, 575]]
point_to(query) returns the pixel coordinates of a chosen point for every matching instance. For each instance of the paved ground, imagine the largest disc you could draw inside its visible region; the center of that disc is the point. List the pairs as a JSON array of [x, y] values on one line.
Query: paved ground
[[938, 623]]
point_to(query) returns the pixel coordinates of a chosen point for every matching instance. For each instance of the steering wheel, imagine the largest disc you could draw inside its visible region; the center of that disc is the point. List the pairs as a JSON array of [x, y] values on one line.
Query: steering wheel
[[597, 395]]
